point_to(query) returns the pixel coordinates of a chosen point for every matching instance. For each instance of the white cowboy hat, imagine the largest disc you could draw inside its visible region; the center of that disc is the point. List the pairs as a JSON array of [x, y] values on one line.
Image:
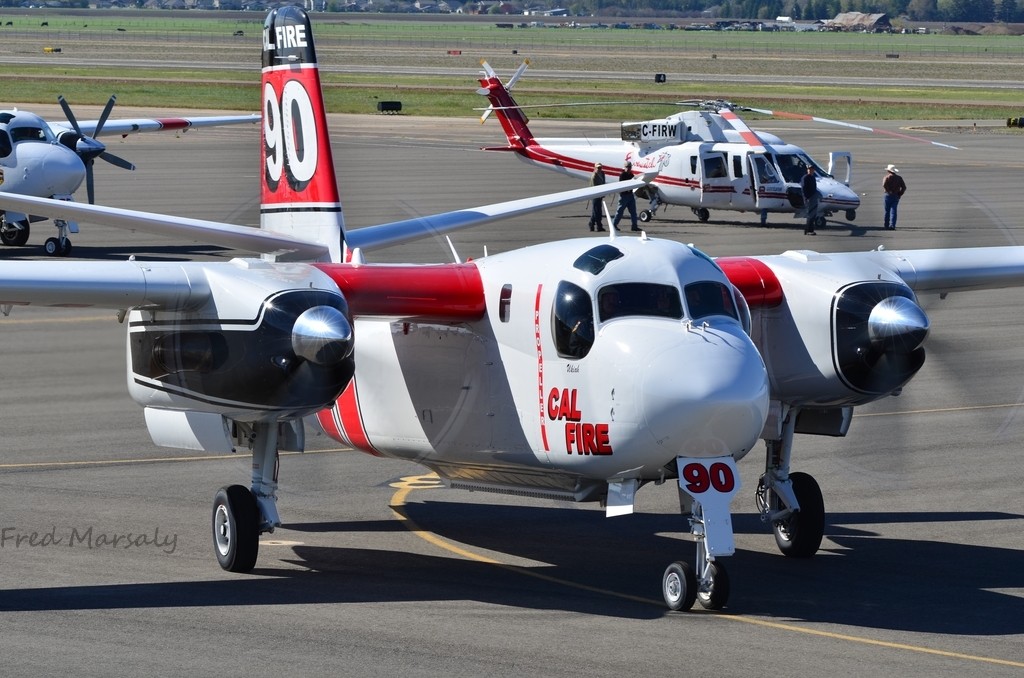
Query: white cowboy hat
[[892, 168]]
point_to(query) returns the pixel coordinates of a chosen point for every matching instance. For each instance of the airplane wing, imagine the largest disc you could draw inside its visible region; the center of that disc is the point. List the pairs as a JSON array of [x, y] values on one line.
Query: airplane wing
[[132, 125], [285, 247]]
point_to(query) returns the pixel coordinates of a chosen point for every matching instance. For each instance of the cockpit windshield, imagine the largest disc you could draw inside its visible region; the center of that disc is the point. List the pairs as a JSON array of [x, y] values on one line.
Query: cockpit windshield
[[24, 126], [708, 298], [639, 299], [794, 166]]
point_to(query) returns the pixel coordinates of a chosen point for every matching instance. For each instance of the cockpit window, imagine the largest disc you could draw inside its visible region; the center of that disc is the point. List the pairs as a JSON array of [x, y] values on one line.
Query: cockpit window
[[765, 171], [572, 320], [709, 298], [595, 259], [643, 299], [794, 167], [27, 133], [5, 144]]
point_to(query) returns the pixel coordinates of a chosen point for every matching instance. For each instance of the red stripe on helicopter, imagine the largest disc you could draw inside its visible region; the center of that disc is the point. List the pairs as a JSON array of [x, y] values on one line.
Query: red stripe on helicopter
[[433, 292], [754, 279]]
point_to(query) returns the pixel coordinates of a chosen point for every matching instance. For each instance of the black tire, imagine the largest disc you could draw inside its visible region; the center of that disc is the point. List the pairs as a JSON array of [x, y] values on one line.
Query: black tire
[[703, 214], [851, 215], [52, 247], [679, 586], [819, 222], [65, 250], [236, 533], [800, 535], [716, 594], [645, 216], [15, 237]]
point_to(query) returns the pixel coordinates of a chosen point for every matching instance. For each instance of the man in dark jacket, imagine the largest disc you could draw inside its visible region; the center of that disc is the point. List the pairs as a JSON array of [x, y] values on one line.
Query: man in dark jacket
[[894, 188], [809, 187], [627, 201]]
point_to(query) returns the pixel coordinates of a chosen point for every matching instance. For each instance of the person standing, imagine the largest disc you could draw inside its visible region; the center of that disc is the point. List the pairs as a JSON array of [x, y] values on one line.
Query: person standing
[[596, 209], [627, 201], [894, 187], [809, 187]]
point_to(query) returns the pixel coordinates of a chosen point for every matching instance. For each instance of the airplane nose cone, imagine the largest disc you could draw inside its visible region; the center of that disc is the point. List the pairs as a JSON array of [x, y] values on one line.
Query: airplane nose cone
[[63, 170], [708, 396]]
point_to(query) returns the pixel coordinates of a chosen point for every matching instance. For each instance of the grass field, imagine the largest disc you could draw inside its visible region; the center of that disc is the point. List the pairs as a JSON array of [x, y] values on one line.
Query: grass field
[[931, 72]]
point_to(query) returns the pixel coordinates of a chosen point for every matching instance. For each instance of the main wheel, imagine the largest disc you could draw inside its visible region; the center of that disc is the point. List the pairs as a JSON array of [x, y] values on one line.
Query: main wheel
[[703, 214], [52, 247], [65, 250], [15, 236], [799, 535], [236, 534], [645, 216], [715, 593], [819, 222], [679, 586]]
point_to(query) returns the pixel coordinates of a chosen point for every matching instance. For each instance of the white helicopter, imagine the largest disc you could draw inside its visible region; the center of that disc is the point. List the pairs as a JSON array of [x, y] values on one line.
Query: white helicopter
[[51, 159], [550, 371], [706, 158]]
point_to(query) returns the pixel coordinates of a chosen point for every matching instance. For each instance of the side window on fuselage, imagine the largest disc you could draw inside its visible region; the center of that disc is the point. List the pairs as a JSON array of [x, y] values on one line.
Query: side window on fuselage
[[572, 321], [5, 144]]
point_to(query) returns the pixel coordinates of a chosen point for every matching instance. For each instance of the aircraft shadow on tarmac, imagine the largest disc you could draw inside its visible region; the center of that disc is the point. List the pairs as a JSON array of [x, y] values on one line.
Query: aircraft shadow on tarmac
[[614, 566]]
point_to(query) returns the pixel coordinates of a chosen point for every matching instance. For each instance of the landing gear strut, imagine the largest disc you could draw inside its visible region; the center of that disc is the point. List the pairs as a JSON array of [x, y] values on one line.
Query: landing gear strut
[[714, 481], [240, 515], [61, 245], [790, 502]]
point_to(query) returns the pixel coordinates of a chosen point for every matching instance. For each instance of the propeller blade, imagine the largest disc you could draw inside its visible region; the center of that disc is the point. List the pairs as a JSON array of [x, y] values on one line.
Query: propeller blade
[[840, 123], [115, 160], [90, 190], [749, 135], [105, 115], [68, 114]]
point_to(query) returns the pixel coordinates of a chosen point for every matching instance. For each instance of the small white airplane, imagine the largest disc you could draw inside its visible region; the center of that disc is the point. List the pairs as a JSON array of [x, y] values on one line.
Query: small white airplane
[[51, 159], [706, 159], [578, 370]]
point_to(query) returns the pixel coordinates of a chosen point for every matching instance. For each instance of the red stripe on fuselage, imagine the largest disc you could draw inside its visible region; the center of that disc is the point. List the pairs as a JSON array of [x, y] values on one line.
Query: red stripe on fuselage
[[754, 279], [350, 420], [434, 292]]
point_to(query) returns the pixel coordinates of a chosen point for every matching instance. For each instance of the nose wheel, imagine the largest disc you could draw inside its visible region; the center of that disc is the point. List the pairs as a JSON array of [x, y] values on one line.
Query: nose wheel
[[236, 531]]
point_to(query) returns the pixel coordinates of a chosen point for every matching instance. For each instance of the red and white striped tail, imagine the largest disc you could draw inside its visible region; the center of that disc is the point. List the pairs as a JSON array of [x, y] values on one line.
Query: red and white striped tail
[[299, 193]]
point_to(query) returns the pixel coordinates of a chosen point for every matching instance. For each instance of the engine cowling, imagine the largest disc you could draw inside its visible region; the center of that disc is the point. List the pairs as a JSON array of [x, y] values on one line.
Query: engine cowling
[[293, 358]]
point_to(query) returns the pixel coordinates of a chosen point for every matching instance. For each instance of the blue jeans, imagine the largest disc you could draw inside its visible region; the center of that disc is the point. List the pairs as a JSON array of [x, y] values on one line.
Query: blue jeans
[[626, 202], [891, 203]]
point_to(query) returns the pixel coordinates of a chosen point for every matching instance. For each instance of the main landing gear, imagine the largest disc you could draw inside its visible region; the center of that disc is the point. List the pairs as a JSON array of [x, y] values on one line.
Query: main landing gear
[[240, 515], [790, 502]]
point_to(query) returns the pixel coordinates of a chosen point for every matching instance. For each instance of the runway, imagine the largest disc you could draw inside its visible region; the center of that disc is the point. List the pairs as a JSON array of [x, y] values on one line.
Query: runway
[[378, 572]]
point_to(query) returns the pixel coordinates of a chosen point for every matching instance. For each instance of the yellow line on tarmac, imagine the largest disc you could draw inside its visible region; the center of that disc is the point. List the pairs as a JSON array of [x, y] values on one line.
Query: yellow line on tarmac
[[940, 410], [409, 484]]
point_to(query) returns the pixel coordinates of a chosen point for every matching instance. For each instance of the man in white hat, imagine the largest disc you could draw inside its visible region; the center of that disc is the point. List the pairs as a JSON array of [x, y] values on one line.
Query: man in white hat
[[894, 188], [596, 217]]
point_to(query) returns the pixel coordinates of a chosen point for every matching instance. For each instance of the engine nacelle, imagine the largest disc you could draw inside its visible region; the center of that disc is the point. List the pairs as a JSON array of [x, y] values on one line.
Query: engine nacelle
[[253, 354], [833, 343]]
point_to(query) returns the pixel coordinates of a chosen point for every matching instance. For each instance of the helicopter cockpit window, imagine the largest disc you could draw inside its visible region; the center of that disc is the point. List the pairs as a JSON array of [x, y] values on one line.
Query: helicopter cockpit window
[[639, 299], [709, 298], [714, 167], [5, 144], [765, 171], [572, 320], [794, 167]]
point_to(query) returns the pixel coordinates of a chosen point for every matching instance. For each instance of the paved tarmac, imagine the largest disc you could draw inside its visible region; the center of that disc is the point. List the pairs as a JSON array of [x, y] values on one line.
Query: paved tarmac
[[921, 572]]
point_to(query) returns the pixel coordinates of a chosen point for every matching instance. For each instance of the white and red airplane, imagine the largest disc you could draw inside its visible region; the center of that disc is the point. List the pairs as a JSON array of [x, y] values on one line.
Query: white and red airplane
[[580, 370], [52, 159], [706, 158]]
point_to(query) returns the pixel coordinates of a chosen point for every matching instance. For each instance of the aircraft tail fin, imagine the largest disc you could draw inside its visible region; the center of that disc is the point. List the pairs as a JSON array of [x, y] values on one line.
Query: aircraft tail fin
[[299, 191], [512, 118]]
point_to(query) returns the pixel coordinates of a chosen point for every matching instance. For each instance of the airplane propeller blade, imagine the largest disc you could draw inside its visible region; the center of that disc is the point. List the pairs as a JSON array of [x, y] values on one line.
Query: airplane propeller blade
[[118, 161], [88, 147]]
